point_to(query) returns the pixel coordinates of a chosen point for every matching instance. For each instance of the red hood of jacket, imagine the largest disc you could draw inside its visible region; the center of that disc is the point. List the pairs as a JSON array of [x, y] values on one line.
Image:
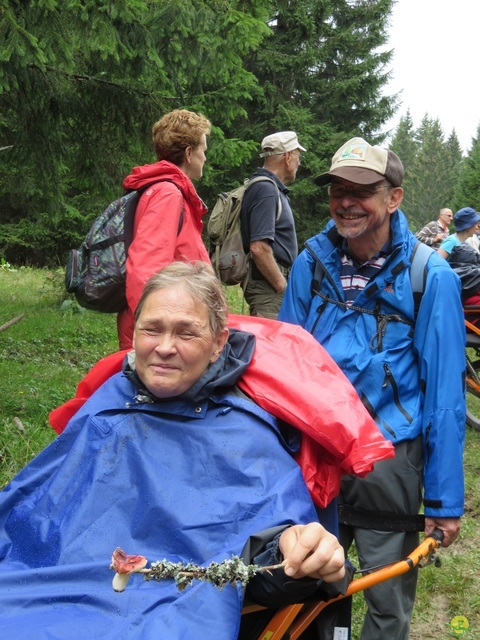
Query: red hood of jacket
[[165, 170]]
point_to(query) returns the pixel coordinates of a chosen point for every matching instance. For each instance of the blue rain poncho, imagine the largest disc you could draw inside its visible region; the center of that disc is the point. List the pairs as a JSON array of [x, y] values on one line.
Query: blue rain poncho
[[186, 479]]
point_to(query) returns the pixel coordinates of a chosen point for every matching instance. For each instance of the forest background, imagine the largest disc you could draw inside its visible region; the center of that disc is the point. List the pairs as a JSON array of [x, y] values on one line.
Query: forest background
[[82, 82]]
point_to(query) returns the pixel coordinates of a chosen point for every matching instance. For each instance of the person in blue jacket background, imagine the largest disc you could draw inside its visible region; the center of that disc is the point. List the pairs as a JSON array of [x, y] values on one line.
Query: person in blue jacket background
[[167, 459], [351, 288]]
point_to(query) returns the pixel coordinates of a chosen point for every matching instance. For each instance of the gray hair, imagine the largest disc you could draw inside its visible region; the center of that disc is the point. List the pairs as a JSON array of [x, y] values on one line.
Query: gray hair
[[200, 281]]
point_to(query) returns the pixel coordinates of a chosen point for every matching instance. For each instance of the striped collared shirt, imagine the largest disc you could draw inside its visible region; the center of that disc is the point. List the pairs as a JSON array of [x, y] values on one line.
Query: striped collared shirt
[[355, 276]]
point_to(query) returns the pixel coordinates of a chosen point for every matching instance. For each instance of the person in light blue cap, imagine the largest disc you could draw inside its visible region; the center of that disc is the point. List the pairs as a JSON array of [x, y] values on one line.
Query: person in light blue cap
[[465, 221]]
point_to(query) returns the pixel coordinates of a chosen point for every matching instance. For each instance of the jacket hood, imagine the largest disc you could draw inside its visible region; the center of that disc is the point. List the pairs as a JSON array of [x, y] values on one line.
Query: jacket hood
[[164, 170], [220, 376]]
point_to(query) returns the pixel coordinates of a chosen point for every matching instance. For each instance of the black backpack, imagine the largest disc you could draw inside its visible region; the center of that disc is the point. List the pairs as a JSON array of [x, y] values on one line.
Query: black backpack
[[96, 271]]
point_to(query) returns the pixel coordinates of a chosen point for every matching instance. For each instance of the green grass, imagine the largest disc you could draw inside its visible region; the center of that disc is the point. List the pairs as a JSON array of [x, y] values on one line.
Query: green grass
[[43, 357]]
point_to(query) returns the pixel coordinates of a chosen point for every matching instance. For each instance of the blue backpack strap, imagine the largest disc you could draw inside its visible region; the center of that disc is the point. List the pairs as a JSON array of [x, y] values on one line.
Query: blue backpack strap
[[418, 272]]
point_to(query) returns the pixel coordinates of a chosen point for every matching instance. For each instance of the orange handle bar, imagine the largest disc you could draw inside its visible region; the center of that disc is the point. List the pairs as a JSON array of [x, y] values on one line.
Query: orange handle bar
[[282, 620]]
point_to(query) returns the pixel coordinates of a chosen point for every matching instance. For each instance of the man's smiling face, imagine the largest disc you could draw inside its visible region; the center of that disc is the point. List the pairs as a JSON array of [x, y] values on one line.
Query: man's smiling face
[[357, 209]]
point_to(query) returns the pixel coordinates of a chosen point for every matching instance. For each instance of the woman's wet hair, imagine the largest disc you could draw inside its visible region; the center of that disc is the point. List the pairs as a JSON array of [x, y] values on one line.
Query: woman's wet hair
[[176, 131], [200, 281]]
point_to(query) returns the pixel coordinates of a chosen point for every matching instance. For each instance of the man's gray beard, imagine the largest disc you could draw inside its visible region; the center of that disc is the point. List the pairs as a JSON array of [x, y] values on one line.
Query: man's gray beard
[[350, 234]]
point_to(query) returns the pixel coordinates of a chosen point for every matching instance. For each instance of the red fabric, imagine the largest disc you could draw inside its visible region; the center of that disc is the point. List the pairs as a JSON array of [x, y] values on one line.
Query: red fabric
[[472, 315], [472, 301], [156, 241], [294, 378], [100, 373]]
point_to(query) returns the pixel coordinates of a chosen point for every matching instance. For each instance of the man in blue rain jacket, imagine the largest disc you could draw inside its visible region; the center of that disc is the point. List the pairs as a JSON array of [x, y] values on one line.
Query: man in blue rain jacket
[[351, 289]]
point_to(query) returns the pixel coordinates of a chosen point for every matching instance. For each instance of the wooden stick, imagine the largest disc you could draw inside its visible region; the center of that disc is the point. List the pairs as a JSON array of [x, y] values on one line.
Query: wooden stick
[[198, 573], [10, 322]]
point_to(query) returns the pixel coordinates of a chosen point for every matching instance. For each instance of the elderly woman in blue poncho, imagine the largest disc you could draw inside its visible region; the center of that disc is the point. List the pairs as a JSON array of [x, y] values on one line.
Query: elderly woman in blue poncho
[[171, 460]]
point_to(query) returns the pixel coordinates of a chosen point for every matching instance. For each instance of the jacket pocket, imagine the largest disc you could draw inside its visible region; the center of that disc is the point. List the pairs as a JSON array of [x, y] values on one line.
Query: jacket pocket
[[389, 381]]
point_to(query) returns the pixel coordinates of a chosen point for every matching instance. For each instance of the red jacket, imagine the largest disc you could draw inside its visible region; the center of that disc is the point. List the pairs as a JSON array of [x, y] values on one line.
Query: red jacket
[[156, 240], [292, 377]]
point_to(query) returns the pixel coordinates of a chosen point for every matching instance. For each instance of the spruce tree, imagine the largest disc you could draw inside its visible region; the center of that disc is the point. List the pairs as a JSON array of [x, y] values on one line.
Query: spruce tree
[[81, 84], [404, 142], [428, 184], [406, 146], [454, 158], [321, 73], [467, 191]]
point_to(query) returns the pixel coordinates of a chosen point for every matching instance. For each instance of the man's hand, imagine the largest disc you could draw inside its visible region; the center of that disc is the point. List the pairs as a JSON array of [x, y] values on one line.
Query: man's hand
[[262, 255], [449, 526], [310, 550]]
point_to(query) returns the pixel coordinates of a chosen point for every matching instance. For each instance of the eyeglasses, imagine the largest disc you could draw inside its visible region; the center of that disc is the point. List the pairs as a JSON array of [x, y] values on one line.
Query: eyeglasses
[[339, 191], [298, 154]]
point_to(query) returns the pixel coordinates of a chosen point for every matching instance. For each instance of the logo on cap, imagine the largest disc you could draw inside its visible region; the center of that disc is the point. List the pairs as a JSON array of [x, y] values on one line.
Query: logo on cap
[[358, 152]]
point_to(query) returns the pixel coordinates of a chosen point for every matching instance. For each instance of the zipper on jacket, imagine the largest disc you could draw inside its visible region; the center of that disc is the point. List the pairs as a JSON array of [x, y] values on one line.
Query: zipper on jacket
[[389, 379], [373, 414], [320, 311]]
